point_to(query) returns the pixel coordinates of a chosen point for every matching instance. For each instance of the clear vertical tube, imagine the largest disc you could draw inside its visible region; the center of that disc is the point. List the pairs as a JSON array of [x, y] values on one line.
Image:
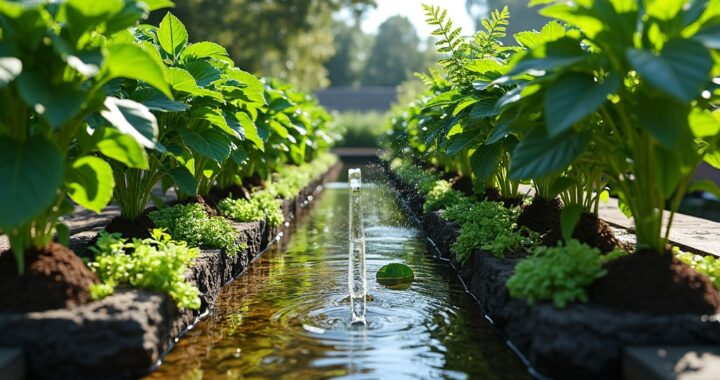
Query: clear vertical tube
[[356, 261]]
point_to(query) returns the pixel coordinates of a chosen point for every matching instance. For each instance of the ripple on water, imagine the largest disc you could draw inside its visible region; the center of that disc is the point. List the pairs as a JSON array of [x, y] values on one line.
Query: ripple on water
[[288, 315]]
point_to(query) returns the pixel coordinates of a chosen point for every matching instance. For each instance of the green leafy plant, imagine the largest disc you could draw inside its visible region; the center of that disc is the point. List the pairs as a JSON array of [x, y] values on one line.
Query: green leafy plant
[[57, 66], [207, 126], [157, 263], [488, 226], [558, 274], [191, 223], [637, 79], [262, 205], [442, 196], [707, 265], [286, 183]]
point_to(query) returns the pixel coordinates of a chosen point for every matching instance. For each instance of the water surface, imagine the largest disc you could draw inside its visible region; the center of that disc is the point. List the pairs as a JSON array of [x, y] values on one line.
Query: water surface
[[287, 316]]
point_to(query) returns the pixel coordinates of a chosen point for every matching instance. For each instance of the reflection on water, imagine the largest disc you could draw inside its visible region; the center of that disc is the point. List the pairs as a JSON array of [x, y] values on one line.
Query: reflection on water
[[288, 316]]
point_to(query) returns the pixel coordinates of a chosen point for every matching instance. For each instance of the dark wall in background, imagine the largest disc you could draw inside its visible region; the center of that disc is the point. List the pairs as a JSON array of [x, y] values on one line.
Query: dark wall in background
[[357, 99]]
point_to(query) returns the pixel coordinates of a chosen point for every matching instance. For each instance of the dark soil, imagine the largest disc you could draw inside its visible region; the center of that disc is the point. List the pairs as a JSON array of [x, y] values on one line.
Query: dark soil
[[648, 282], [235, 191], [54, 278], [139, 227], [463, 185], [590, 230], [253, 181], [491, 194], [542, 216]]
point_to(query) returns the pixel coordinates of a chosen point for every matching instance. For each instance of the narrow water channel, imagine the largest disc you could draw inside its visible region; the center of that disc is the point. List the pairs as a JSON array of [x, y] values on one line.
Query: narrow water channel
[[288, 315]]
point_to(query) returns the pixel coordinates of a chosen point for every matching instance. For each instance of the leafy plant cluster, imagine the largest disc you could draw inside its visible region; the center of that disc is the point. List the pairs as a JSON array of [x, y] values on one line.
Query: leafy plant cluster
[[707, 265], [488, 226], [261, 206], [442, 196], [612, 97], [558, 274], [157, 263], [192, 224], [96, 106], [288, 180], [266, 204]]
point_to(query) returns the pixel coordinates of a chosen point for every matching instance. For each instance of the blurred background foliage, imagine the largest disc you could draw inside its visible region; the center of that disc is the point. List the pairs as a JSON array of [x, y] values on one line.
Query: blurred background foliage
[[314, 44], [286, 39]]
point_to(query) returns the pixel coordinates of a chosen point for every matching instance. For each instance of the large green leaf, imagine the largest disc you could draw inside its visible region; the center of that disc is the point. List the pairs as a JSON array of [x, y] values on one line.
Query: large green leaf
[[485, 159], [215, 117], [10, 68], [123, 148], [42, 96], [253, 88], [131, 61], [709, 34], [132, 118], [183, 81], [183, 179], [444, 99], [172, 35], [681, 70], [90, 183], [156, 101], [560, 53], [569, 218], [202, 50], [574, 96], [483, 108], [32, 174], [464, 140], [539, 154], [667, 172], [251, 130], [666, 119], [208, 142], [550, 32], [154, 5], [203, 72]]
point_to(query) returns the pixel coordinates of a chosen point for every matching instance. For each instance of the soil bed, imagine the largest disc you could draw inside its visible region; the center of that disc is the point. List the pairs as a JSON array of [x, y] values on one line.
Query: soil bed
[[139, 228], [54, 278], [666, 286]]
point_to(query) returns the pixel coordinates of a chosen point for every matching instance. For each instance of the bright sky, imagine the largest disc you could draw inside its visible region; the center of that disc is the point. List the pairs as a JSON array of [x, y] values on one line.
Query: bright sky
[[413, 10]]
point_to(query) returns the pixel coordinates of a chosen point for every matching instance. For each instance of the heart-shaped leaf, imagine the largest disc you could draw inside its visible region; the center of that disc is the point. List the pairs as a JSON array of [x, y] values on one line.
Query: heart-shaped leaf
[[32, 174], [90, 183]]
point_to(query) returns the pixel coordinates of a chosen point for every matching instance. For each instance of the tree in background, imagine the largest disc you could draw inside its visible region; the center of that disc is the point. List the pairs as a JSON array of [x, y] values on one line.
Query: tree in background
[[395, 56], [352, 48], [287, 39]]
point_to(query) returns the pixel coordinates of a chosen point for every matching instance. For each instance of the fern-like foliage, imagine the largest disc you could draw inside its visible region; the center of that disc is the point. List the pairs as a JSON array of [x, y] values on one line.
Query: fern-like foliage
[[487, 42], [451, 41], [459, 50]]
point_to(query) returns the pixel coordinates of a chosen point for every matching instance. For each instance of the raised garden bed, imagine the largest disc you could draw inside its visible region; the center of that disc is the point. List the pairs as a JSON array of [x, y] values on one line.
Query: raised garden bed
[[579, 341], [126, 334]]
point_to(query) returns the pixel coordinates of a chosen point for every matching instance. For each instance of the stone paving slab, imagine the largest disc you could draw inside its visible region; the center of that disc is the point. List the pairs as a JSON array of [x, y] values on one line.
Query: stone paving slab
[[12, 363], [671, 363]]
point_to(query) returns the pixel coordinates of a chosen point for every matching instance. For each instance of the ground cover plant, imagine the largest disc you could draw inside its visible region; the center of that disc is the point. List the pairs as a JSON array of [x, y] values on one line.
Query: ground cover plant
[[192, 224], [613, 98], [157, 263]]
